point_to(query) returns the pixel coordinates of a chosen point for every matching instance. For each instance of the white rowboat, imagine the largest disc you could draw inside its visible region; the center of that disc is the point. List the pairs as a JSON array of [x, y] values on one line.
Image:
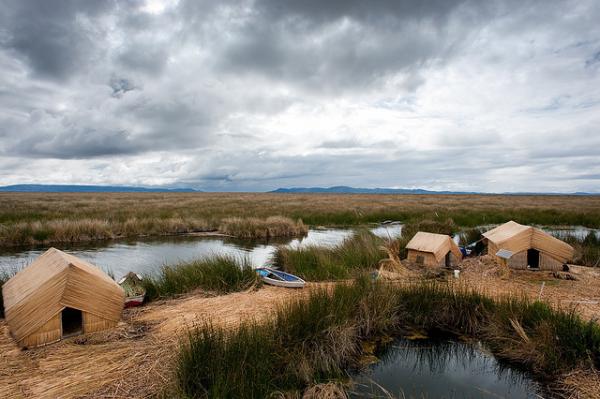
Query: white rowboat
[[278, 278]]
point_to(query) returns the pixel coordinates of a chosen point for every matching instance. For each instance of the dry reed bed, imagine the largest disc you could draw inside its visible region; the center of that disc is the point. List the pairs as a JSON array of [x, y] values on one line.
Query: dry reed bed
[[104, 215], [583, 295], [121, 363], [102, 365]]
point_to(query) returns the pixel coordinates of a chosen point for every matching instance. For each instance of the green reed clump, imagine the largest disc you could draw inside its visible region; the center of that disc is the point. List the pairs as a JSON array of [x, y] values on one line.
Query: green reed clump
[[316, 339], [307, 341], [219, 273], [359, 252]]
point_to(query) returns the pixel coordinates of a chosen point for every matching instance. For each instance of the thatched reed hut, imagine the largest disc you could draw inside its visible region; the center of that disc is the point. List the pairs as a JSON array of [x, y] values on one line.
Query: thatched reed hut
[[431, 249], [58, 296], [523, 247]]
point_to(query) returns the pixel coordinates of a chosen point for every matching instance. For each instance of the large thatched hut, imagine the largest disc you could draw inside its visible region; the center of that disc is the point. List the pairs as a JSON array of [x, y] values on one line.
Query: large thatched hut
[[58, 296], [432, 249], [523, 247]]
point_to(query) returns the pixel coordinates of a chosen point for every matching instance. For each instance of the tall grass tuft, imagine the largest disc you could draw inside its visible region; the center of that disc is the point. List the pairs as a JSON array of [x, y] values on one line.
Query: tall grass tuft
[[587, 249], [221, 274], [355, 254], [308, 341], [315, 340], [273, 226]]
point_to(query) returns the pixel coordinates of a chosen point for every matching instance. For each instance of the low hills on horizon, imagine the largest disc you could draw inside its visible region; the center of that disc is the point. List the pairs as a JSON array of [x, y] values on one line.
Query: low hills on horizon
[[76, 188]]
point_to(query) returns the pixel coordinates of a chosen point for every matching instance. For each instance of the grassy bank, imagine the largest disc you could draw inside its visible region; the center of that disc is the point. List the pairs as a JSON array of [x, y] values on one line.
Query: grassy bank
[[65, 217], [317, 339], [220, 274], [354, 255]]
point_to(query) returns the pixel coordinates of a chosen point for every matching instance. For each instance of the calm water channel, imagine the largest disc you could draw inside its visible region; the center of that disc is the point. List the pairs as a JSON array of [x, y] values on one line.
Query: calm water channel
[[428, 369], [147, 255]]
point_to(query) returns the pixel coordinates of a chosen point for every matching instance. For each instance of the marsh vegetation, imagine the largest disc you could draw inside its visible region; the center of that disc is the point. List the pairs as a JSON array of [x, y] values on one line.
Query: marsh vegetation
[[317, 339], [28, 218]]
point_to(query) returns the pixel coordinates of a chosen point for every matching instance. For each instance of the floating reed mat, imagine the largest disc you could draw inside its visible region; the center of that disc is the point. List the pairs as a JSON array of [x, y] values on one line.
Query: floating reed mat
[[317, 339]]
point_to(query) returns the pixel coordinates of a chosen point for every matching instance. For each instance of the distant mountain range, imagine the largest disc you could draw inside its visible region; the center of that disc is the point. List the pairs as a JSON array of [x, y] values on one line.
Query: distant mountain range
[[58, 188], [355, 190], [75, 188]]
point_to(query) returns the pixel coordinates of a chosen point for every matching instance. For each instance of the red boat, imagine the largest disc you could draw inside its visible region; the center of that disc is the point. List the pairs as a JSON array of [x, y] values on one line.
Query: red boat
[[134, 289]]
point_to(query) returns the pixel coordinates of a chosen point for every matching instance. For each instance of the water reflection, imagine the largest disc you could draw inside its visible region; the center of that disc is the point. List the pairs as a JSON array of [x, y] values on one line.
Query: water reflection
[[441, 369], [147, 255]]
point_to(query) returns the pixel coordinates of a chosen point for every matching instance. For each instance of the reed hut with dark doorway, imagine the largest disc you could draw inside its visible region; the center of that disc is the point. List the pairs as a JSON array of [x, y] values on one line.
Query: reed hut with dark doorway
[[59, 296], [525, 247], [430, 249]]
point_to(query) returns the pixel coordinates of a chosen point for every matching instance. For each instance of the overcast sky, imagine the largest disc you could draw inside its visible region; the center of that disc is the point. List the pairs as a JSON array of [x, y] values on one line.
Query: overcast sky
[[253, 95]]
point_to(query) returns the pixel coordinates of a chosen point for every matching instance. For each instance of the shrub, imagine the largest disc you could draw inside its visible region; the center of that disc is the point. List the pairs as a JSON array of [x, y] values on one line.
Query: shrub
[[220, 273], [354, 255]]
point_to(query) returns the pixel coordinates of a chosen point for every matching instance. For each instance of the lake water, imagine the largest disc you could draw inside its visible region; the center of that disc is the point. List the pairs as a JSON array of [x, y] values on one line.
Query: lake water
[[441, 369], [148, 255]]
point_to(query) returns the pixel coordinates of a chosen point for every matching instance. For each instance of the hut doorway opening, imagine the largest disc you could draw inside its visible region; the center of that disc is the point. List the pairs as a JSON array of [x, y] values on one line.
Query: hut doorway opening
[[448, 260], [72, 322], [533, 258]]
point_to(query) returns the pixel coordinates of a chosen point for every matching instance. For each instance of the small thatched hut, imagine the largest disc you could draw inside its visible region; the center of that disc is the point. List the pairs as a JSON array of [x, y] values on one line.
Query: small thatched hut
[[58, 296], [522, 247], [433, 250]]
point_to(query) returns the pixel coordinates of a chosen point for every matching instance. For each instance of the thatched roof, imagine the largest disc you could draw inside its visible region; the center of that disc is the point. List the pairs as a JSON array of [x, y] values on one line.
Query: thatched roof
[[516, 238], [437, 244], [56, 280]]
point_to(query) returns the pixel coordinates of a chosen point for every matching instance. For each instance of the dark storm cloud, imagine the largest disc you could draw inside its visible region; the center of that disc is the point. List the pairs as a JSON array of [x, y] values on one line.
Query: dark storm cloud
[[75, 144], [121, 86], [52, 36], [339, 45]]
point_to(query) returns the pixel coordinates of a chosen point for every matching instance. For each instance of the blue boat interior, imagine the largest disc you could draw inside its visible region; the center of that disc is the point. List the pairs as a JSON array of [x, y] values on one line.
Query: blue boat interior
[[277, 274]]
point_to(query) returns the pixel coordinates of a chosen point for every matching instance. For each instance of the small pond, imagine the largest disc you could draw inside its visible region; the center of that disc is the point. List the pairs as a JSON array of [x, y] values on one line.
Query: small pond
[[149, 254], [441, 368]]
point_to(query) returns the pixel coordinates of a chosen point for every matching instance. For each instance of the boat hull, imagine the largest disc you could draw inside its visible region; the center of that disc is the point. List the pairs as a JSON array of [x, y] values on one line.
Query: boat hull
[[134, 301], [279, 278], [286, 284]]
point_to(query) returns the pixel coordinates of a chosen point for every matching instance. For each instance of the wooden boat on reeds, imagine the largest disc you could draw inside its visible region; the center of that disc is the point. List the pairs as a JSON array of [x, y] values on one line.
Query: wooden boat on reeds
[[278, 278], [134, 289]]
